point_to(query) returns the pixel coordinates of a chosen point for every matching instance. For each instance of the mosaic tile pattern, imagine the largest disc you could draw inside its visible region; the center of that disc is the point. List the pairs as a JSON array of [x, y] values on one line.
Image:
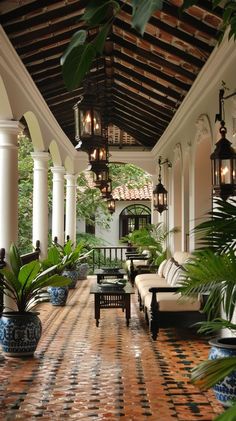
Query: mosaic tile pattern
[[110, 372]]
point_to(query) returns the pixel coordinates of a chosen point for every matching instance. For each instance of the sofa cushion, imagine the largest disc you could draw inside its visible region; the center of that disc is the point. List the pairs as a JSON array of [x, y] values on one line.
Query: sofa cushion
[[177, 277], [181, 256], [171, 301], [151, 283], [173, 269], [161, 268], [167, 266], [136, 263]]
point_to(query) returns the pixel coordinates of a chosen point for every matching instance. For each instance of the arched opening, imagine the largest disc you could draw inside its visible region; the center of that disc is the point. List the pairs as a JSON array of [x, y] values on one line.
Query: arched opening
[[132, 218]]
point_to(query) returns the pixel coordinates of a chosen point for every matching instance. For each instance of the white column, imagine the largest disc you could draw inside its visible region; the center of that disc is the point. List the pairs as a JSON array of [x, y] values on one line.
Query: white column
[[40, 201], [58, 204], [70, 228], [8, 190], [8, 183]]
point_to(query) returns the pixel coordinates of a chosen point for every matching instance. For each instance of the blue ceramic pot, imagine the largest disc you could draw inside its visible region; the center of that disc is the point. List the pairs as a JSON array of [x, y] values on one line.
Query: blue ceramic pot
[[72, 274], [83, 271], [58, 295], [19, 333], [225, 391]]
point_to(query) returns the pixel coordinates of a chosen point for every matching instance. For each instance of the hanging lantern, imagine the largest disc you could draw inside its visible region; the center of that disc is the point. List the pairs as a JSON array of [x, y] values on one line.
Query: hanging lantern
[[88, 124], [98, 154], [106, 189], [223, 167], [160, 193], [111, 205], [101, 175]]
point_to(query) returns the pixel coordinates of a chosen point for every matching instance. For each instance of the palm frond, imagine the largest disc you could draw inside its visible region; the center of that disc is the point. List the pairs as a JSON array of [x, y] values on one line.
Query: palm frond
[[215, 325], [228, 415], [210, 372]]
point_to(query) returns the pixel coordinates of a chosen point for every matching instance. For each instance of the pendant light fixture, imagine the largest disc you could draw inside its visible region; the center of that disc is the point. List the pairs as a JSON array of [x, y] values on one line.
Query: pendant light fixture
[[160, 194], [223, 158]]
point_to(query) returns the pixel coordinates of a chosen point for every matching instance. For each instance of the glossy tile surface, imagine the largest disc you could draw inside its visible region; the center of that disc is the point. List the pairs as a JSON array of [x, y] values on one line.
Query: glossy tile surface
[[110, 372]]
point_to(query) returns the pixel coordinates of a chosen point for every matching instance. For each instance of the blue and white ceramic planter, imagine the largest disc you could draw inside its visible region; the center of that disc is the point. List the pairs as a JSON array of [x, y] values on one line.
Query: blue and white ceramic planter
[[72, 275], [19, 333], [225, 391], [58, 295], [83, 271]]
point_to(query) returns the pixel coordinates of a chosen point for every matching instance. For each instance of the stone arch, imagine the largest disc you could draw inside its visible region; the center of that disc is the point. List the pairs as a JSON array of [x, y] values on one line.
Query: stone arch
[[35, 131], [55, 154]]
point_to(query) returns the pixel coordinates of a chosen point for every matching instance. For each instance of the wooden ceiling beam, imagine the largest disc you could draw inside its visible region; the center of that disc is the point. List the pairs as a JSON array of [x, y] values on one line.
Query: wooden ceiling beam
[[169, 92], [149, 105], [43, 17], [150, 69], [156, 42], [141, 102], [151, 57], [135, 123], [149, 92], [174, 31], [140, 111]]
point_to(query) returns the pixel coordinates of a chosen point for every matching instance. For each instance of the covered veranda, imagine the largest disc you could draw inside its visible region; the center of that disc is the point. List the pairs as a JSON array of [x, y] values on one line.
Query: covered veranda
[[109, 372]]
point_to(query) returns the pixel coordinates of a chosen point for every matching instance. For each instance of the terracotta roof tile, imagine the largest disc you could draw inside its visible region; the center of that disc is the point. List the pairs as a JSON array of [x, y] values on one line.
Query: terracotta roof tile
[[123, 193]]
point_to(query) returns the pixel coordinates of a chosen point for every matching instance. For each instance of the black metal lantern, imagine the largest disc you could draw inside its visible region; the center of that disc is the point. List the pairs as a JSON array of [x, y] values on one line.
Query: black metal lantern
[[106, 189], [99, 154], [101, 175], [224, 167], [111, 204], [160, 193], [88, 122]]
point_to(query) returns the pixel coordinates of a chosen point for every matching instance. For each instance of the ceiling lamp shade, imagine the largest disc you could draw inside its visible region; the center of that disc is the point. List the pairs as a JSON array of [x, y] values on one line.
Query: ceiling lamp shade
[[223, 167]]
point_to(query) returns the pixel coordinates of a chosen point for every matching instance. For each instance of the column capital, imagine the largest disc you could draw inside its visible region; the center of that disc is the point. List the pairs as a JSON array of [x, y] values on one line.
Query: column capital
[[58, 170], [71, 179], [40, 156], [11, 126]]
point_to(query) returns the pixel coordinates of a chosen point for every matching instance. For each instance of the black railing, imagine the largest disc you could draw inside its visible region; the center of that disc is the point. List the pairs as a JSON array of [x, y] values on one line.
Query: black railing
[[109, 256]]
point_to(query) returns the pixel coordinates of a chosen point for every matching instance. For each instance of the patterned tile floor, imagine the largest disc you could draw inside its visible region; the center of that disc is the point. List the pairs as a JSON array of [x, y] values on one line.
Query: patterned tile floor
[[110, 372]]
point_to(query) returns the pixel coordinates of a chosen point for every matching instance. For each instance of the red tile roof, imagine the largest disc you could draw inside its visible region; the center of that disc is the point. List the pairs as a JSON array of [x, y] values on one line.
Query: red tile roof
[[142, 193]]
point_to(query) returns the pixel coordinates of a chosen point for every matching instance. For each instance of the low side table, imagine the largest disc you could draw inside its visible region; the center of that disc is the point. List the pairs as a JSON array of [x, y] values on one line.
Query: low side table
[[111, 297], [103, 273]]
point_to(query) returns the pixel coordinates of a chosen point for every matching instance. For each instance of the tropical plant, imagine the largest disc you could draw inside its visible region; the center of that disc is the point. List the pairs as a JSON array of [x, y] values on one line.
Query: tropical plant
[[152, 238], [66, 257], [213, 271], [25, 284]]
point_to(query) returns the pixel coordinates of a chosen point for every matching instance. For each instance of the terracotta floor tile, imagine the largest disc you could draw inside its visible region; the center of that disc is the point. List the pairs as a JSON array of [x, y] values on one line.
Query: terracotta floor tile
[[110, 372]]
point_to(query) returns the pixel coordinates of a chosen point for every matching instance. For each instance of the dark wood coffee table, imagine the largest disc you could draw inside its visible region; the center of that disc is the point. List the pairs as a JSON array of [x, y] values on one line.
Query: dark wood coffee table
[[108, 272], [111, 297]]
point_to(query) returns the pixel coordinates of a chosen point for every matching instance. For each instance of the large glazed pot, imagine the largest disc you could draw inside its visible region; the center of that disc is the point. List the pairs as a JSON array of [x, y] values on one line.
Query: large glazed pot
[[225, 391], [58, 295], [19, 333], [72, 274]]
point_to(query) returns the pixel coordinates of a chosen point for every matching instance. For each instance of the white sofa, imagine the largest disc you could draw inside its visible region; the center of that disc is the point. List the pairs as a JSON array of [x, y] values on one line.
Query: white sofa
[[159, 299]]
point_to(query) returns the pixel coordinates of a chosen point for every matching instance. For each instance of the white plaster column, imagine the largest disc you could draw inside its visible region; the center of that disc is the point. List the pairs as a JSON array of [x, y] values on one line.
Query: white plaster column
[[8, 183], [71, 186], [40, 201], [8, 190], [58, 204]]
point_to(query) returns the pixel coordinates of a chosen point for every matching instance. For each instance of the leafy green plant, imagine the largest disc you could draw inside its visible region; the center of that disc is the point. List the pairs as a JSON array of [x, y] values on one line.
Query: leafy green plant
[[66, 257], [213, 271], [26, 284], [152, 238]]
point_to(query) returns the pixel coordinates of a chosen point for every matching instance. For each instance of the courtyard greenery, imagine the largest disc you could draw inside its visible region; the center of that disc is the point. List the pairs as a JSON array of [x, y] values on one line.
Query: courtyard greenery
[[90, 204]]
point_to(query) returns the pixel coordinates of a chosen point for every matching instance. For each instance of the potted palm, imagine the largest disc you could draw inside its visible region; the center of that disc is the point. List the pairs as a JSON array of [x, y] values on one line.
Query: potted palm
[[212, 272], [24, 285]]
